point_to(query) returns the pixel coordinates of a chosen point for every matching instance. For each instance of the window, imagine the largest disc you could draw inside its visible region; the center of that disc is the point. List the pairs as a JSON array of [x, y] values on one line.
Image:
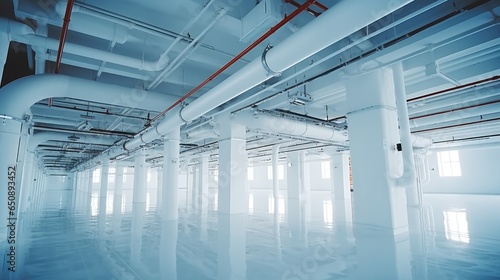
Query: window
[[96, 176], [449, 163], [124, 175], [111, 175], [148, 176], [281, 205], [325, 169], [250, 173], [109, 203], [456, 226], [216, 175], [281, 172]]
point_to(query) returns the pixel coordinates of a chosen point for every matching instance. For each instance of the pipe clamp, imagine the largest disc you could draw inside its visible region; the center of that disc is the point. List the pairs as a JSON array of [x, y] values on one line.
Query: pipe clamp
[[269, 71]]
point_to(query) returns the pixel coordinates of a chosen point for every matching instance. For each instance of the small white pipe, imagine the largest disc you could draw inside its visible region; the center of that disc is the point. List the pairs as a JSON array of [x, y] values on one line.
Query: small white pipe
[[219, 15], [40, 137], [408, 178]]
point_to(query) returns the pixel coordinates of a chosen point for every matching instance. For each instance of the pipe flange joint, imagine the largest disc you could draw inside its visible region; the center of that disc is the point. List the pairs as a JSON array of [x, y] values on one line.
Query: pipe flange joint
[[269, 71]]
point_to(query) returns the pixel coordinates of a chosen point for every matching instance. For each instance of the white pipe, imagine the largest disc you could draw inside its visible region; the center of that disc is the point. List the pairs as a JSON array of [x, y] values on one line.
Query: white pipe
[[40, 137], [309, 40], [21, 33], [18, 96], [165, 72], [408, 176], [456, 115], [281, 125]]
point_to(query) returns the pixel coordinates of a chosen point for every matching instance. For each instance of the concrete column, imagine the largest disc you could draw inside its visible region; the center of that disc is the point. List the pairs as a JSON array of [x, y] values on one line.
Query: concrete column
[[103, 195], [276, 183], [89, 188], [305, 175], [159, 188], [293, 175], [204, 182], [196, 186], [117, 200], [170, 209], [374, 159], [380, 208], [138, 206], [189, 186], [232, 167]]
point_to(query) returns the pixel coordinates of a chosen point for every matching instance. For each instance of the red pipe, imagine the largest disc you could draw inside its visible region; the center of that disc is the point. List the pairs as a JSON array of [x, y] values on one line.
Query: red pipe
[[273, 29], [454, 88], [297, 5], [64, 32], [62, 38], [321, 6]]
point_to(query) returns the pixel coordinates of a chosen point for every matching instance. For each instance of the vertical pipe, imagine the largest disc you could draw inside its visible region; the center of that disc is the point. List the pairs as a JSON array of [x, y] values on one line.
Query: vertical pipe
[[64, 32], [103, 194], [408, 179], [171, 175], [4, 50]]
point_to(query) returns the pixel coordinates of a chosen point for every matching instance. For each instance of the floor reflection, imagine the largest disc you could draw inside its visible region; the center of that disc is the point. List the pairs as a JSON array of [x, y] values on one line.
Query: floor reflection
[[451, 237]]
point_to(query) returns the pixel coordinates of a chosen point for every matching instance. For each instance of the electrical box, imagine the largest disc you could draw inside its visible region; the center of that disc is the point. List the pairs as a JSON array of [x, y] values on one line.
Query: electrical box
[[260, 19]]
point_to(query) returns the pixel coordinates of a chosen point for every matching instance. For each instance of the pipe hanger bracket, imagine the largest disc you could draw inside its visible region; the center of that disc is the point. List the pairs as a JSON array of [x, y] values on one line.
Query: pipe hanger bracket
[[269, 71]]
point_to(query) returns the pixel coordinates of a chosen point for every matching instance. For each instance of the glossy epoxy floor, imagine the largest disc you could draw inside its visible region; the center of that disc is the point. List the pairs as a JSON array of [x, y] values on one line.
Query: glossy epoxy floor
[[453, 237]]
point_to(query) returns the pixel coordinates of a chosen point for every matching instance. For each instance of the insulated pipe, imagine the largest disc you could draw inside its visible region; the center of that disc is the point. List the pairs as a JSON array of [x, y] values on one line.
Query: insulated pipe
[[40, 137], [408, 179], [22, 33], [420, 141], [309, 40], [18, 96], [279, 125]]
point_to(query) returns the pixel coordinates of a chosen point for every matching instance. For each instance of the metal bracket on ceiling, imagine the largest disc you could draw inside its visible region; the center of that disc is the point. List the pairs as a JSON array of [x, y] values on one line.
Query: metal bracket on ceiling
[[269, 71]]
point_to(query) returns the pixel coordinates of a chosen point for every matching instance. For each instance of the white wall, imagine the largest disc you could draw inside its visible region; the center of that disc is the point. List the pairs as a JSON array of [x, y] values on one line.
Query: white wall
[[480, 173]]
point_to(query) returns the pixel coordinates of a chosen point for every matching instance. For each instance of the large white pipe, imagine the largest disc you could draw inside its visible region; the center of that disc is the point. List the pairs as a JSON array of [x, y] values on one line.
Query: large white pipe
[[18, 96], [21, 33], [309, 40], [281, 125]]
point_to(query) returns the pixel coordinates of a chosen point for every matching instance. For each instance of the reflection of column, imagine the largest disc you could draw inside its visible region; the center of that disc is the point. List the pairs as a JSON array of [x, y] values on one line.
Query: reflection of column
[[159, 188], [103, 196], [168, 250], [417, 242], [195, 190], [231, 254], [27, 181], [88, 202], [382, 256], [276, 230], [275, 173], [341, 188], [138, 206], [304, 176], [294, 218], [372, 111], [189, 187], [117, 200]]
